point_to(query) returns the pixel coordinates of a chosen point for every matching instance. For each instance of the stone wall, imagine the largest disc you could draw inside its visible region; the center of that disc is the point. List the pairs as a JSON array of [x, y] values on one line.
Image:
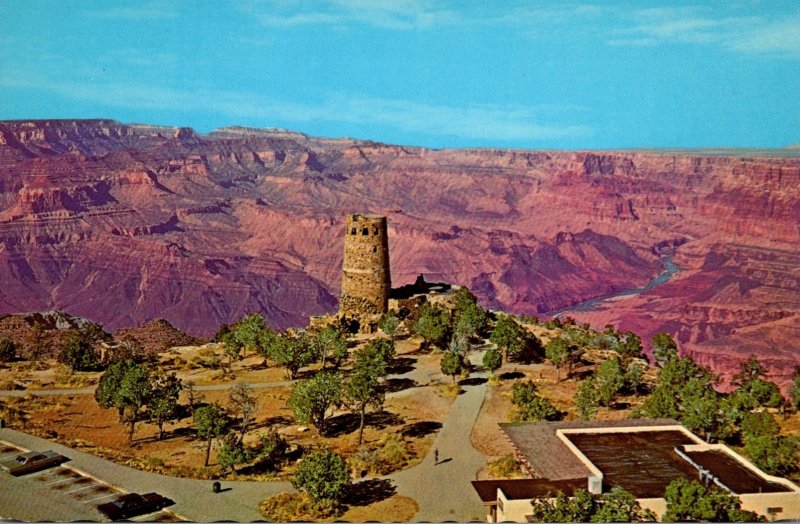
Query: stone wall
[[366, 280]]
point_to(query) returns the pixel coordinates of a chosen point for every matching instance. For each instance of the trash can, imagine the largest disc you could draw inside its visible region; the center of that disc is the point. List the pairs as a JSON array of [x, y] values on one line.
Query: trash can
[[216, 487]]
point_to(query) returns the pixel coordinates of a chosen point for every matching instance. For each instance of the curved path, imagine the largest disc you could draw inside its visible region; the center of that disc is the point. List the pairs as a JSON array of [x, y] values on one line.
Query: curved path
[[90, 391], [193, 498], [442, 491]]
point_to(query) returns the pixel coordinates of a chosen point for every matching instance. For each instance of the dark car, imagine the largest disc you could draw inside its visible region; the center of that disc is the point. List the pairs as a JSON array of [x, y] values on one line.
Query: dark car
[[32, 461], [133, 504]]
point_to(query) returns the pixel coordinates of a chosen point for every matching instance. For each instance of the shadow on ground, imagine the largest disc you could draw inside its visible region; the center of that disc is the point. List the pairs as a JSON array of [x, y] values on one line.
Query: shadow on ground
[[369, 492], [348, 422], [398, 384], [475, 381], [402, 365], [277, 420], [420, 429]]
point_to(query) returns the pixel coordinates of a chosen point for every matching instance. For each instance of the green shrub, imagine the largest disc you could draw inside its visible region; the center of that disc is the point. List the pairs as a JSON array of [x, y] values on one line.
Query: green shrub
[[394, 452], [368, 460], [154, 462], [8, 350], [324, 476], [505, 467]]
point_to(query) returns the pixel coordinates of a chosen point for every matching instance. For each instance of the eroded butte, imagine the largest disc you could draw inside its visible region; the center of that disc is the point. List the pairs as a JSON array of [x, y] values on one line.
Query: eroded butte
[[126, 223]]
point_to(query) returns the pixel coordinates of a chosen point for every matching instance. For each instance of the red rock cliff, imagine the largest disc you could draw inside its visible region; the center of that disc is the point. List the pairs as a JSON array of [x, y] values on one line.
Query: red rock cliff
[[123, 224]]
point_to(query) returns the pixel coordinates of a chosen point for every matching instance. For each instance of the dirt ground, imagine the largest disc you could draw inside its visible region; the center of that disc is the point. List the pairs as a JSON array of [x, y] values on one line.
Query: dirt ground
[[489, 439], [396, 508], [414, 411]]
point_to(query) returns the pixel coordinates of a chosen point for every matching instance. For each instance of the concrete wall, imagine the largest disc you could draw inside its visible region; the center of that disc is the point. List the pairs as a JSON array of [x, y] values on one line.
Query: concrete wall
[[744, 462], [657, 506], [512, 510], [774, 506], [784, 506]]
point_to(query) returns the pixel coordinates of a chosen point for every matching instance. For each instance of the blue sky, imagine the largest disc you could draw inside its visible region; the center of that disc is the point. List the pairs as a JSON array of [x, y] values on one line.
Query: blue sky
[[438, 74]]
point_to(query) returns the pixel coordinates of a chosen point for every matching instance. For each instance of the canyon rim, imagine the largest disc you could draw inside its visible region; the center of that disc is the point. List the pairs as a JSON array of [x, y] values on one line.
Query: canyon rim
[[125, 223]]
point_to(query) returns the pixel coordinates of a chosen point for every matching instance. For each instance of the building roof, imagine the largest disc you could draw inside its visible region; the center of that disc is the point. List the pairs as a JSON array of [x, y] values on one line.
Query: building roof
[[518, 489], [640, 455], [549, 456], [734, 475], [643, 463]]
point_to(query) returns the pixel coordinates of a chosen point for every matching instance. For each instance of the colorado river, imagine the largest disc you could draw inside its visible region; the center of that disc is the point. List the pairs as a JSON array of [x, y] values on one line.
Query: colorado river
[[670, 270]]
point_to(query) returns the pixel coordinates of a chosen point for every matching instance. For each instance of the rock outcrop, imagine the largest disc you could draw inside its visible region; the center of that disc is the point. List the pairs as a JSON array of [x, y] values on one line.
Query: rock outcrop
[[123, 224], [157, 336], [39, 334]]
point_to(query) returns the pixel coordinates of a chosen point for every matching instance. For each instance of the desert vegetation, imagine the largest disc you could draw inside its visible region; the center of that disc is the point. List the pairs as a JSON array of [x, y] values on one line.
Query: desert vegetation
[[321, 407]]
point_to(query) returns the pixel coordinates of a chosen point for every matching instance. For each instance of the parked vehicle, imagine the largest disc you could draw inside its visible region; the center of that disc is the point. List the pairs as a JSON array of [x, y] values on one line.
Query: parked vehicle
[[32, 461], [133, 504]]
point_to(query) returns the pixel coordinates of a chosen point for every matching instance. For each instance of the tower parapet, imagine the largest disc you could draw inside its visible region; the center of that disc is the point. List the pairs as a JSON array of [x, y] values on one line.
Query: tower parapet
[[366, 280]]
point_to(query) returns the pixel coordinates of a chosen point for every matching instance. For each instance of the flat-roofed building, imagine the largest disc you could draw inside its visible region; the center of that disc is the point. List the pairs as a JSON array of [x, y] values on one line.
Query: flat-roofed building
[[640, 455]]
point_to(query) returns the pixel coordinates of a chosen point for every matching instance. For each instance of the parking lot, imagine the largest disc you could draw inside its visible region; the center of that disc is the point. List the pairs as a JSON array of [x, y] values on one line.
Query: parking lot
[[58, 493]]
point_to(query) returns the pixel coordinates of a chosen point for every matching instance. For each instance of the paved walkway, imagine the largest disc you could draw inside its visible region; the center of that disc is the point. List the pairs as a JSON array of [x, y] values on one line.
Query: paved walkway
[[90, 391], [193, 498], [442, 491]]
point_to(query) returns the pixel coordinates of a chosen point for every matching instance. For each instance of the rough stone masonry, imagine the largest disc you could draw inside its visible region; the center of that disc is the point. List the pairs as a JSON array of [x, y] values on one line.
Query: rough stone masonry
[[366, 280]]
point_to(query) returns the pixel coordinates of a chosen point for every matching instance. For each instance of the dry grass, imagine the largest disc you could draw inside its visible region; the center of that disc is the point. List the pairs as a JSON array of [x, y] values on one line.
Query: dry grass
[[505, 467], [288, 507], [79, 420], [396, 508], [451, 390], [488, 438]]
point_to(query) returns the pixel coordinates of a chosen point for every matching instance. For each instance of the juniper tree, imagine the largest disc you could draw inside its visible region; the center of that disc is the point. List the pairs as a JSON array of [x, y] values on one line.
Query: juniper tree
[[292, 353], [134, 393], [492, 360], [210, 422], [433, 325], [609, 380], [508, 336], [557, 351], [232, 452], [76, 351], [775, 454], [244, 403], [451, 364], [324, 476], [248, 331], [586, 399], [470, 318], [125, 385], [107, 392], [530, 405], [361, 390], [330, 346], [688, 500], [162, 404], [8, 350], [312, 399], [664, 348]]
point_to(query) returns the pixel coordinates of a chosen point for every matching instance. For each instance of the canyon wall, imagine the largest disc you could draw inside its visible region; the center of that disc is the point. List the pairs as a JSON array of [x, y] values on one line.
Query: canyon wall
[[123, 224]]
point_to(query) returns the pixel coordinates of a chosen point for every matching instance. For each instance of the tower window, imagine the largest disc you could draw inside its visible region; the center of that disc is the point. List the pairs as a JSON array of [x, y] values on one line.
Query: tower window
[[375, 232], [374, 249], [365, 231], [353, 231]]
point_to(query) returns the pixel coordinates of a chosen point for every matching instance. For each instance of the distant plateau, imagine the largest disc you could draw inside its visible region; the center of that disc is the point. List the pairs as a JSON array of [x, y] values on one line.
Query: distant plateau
[[122, 224]]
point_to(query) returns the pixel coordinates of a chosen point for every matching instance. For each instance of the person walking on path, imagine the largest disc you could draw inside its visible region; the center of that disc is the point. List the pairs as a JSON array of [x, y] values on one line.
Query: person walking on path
[[435, 456]]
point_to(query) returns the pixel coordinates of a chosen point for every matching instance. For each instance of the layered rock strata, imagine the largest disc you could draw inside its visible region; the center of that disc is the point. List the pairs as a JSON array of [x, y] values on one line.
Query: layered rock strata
[[124, 224]]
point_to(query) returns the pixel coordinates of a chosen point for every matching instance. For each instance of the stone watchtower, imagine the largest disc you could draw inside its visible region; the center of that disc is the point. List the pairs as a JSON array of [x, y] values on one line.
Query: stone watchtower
[[365, 272]]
